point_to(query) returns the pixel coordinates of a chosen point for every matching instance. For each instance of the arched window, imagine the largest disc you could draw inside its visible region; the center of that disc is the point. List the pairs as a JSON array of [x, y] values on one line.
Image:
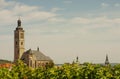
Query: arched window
[[21, 43], [16, 42], [22, 35]]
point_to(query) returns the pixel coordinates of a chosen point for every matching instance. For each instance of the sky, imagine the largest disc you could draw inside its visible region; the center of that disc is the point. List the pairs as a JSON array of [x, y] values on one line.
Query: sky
[[63, 29]]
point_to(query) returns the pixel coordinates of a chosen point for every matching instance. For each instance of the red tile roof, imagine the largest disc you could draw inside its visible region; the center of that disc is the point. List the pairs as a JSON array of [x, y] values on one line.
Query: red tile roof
[[6, 65]]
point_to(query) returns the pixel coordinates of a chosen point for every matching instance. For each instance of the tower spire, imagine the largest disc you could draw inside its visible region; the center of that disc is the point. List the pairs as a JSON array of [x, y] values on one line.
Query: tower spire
[[37, 48], [77, 59], [106, 60]]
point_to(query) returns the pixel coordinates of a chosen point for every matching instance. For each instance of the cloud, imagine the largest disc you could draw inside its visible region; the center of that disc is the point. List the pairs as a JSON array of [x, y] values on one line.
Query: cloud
[[77, 26], [4, 4], [96, 20], [57, 20], [67, 2], [104, 5], [38, 15], [79, 20], [14, 9], [24, 9], [95, 26], [117, 5], [56, 9], [34, 14]]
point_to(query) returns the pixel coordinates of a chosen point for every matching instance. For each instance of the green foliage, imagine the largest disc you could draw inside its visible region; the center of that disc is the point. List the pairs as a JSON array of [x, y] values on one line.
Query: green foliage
[[66, 71]]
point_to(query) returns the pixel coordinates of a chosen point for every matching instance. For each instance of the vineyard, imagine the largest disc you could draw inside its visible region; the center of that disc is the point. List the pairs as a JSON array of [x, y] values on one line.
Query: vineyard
[[66, 71]]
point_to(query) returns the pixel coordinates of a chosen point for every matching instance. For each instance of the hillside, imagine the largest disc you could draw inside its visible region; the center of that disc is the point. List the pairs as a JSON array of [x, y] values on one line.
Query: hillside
[[4, 61]]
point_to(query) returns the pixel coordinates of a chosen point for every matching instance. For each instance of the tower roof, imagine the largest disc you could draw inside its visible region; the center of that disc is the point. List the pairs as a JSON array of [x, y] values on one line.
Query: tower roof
[[19, 27], [38, 55], [19, 22]]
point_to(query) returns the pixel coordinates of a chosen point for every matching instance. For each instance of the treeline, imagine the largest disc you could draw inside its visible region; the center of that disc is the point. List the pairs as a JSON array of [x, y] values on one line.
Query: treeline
[[66, 71], [4, 61]]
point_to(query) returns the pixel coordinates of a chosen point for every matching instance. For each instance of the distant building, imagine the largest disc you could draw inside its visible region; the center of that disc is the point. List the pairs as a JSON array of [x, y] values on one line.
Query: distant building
[[77, 61], [33, 58], [106, 60]]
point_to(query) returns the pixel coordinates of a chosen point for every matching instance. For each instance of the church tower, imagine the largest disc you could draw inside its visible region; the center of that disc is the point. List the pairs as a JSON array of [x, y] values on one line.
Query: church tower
[[19, 41]]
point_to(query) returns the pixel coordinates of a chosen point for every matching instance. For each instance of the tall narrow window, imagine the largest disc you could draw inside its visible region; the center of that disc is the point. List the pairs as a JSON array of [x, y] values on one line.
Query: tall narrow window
[[22, 35], [16, 42], [21, 43]]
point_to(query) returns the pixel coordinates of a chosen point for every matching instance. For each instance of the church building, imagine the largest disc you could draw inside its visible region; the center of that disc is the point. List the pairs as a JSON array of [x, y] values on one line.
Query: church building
[[32, 58]]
